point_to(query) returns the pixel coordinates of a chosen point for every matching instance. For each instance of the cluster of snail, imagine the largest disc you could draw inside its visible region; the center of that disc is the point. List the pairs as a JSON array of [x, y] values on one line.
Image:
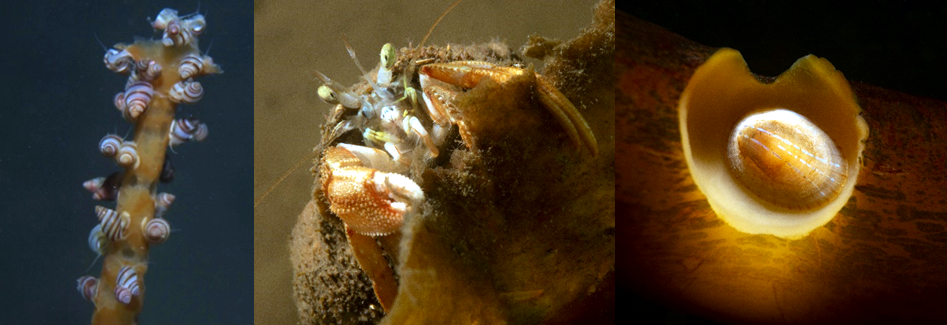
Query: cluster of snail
[[149, 67]]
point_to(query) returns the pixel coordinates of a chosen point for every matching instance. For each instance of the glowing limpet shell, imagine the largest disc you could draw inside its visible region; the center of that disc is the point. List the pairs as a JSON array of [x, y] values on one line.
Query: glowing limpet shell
[[722, 92], [784, 159]]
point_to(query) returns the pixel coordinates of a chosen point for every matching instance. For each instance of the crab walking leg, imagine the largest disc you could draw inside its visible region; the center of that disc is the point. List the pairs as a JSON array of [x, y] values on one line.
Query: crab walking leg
[[559, 105], [467, 74], [373, 262], [436, 96], [412, 123]]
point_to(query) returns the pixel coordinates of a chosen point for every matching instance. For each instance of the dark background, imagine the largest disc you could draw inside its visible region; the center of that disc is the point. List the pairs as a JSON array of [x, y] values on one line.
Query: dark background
[[56, 106], [896, 45]]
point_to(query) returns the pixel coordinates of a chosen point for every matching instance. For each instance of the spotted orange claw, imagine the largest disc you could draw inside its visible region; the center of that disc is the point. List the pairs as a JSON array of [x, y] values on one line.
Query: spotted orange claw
[[369, 201]]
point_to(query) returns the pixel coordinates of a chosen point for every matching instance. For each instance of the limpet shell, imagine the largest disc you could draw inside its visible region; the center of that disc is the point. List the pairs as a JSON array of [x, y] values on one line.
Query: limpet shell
[[751, 189], [784, 159]]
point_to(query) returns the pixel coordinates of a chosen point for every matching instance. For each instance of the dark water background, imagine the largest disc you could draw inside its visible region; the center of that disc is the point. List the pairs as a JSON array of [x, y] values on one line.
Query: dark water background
[[56, 106], [895, 44]]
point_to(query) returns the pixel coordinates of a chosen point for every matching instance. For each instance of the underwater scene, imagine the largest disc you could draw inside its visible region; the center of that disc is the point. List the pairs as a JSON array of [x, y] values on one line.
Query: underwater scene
[[781, 162], [129, 130]]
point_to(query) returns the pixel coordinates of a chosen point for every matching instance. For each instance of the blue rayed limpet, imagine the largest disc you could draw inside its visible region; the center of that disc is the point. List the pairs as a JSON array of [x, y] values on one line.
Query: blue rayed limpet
[[779, 157]]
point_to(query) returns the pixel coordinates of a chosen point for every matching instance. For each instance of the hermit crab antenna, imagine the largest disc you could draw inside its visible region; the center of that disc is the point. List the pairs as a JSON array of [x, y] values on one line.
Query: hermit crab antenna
[[304, 159], [359, 65], [104, 48], [429, 31], [321, 76], [411, 65]]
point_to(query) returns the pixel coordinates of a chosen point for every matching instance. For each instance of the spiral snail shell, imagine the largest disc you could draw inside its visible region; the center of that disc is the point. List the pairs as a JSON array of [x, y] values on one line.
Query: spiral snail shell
[[176, 34], [110, 145], [97, 240], [780, 158], [196, 24], [156, 230], [163, 203], [164, 17], [119, 101], [148, 70], [128, 155], [119, 61], [113, 224], [126, 285], [186, 92], [190, 66], [184, 129], [137, 96], [88, 286], [104, 188]]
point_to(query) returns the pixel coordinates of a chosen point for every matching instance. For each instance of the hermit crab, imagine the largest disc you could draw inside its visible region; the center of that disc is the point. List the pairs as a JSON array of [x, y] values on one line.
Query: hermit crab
[[366, 185], [433, 169]]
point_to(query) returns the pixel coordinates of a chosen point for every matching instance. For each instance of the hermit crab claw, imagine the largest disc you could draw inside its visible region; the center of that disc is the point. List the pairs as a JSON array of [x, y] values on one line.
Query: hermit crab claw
[[439, 81], [370, 202]]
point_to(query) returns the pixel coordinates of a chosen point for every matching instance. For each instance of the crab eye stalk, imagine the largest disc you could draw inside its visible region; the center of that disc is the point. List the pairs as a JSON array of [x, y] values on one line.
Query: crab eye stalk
[[328, 95], [388, 56]]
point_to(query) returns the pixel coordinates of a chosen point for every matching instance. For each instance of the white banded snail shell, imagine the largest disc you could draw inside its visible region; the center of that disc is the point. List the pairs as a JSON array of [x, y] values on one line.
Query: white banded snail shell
[[786, 160], [119, 100], [118, 61], [88, 286], [186, 129], [176, 34], [156, 230], [128, 155], [137, 97], [166, 15], [190, 66], [110, 145], [113, 224], [162, 203], [186, 92], [126, 285], [148, 70], [97, 240]]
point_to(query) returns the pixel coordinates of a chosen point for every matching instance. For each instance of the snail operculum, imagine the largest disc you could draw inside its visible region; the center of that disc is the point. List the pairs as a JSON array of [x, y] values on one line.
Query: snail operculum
[[786, 160]]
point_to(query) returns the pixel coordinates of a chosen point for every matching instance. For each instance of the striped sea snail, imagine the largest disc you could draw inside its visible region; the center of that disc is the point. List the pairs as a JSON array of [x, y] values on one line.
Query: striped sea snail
[[110, 145], [156, 230], [137, 96], [188, 92], [113, 223], [88, 287], [126, 285], [128, 155], [779, 157]]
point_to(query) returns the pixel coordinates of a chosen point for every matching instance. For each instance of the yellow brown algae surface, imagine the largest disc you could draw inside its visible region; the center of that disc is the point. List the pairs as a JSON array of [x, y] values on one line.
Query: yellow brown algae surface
[[883, 258], [519, 229]]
